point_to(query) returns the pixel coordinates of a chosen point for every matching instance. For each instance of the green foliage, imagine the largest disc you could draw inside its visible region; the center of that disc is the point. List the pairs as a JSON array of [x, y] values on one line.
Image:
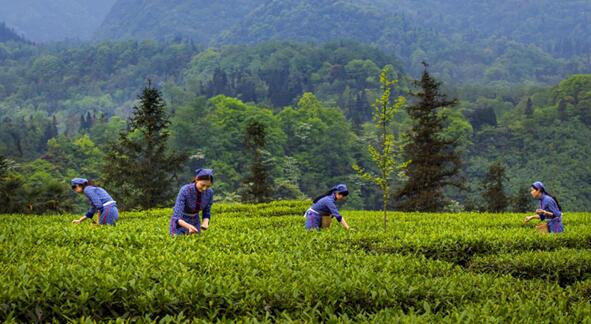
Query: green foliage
[[429, 268], [515, 41], [257, 184], [540, 147], [321, 140], [564, 266], [387, 154], [75, 156], [33, 187], [139, 167], [575, 91], [224, 126], [167, 20], [493, 191], [51, 95], [278, 73], [23, 137], [94, 77], [434, 159]]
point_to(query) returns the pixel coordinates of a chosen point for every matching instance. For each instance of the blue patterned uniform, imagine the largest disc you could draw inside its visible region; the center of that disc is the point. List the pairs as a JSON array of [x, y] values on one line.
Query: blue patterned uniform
[[324, 206], [188, 203], [554, 223], [102, 202]]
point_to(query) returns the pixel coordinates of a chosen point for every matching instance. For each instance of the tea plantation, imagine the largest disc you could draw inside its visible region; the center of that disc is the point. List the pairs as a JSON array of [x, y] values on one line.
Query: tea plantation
[[258, 263]]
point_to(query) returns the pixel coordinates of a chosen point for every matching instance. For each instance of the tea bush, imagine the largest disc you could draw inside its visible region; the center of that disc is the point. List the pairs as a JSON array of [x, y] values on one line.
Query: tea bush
[[258, 263]]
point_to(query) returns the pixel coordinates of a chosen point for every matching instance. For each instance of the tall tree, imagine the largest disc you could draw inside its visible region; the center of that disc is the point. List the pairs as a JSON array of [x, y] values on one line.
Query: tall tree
[[435, 162], [258, 187], [139, 167], [386, 154], [495, 197]]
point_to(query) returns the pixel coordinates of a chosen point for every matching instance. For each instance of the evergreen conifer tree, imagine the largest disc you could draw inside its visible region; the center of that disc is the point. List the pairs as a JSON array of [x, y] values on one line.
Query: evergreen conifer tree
[[258, 187], [139, 168], [434, 162], [495, 197]]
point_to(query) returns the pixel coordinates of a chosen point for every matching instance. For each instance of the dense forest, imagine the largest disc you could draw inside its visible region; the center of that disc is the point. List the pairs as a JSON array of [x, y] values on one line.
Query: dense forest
[[523, 90], [61, 105], [513, 41]]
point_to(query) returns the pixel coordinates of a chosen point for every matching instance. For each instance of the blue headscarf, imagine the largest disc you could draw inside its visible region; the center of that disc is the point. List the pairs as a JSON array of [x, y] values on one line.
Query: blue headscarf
[[340, 188], [78, 181], [539, 186], [205, 173]]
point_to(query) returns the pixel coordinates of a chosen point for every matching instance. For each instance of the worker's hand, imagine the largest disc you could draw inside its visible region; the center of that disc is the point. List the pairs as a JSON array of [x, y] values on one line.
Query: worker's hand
[[540, 212], [192, 229], [76, 221], [205, 224], [528, 218]]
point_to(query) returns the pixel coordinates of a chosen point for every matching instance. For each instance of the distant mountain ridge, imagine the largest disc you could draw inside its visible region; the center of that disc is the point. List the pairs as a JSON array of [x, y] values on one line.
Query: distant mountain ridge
[[545, 23], [7, 34], [43, 21], [465, 41], [198, 20]]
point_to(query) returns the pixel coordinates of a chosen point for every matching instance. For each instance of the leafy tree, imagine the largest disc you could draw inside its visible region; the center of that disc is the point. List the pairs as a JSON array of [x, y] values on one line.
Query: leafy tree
[[434, 162], [106, 130], [320, 139], [494, 193], [386, 155], [34, 187], [75, 157], [139, 167], [219, 140]]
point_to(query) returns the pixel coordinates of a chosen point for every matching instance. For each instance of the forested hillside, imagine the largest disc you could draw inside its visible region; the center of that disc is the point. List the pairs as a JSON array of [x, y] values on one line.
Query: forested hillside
[[61, 105], [8, 34], [538, 41], [545, 135], [56, 20], [197, 20]]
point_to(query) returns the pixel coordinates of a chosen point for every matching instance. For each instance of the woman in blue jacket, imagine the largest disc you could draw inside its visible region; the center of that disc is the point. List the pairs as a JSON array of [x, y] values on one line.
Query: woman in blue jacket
[[549, 209], [325, 206], [192, 198], [100, 201]]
